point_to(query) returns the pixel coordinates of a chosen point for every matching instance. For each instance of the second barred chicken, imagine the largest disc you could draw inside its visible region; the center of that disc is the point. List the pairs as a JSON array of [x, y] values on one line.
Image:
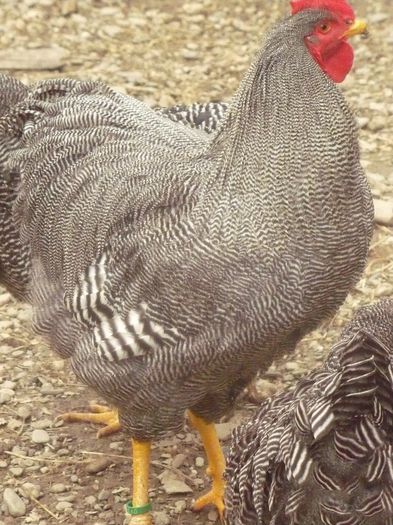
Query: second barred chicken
[[322, 454]]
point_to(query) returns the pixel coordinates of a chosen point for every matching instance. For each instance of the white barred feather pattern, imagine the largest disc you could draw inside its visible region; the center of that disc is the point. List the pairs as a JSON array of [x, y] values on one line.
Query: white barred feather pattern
[[333, 463]]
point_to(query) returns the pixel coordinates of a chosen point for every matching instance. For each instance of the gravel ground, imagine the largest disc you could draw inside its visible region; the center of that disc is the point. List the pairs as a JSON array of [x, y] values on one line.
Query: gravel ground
[[162, 51]]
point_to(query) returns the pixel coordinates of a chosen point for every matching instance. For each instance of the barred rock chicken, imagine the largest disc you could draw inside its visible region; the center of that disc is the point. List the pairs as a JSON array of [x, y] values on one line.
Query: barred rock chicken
[[171, 265], [323, 453]]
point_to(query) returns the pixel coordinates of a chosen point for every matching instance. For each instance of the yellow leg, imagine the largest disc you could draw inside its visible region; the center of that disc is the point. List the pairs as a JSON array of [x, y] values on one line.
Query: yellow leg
[[100, 414], [139, 510], [216, 464]]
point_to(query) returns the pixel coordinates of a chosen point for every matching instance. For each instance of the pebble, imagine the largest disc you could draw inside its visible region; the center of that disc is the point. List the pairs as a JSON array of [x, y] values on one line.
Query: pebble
[[173, 485], [28, 59], [31, 490], [8, 385], [180, 506], [189, 54], [103, 495], [40, 436], [178, 460], [68, 7], [161, 518], [16, 471], [362, 122], [58, 488], [212, 515], [42, 423], [63, 505], [24, 412], [377, 123], [14, 503], [91, 501], [5, 298], [193, 8], [6, 394], [98, 465], [199, 462], [383, 212]]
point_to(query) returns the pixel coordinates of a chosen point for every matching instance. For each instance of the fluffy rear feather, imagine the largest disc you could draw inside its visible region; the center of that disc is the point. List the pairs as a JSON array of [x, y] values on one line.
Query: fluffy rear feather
[[323, 453]]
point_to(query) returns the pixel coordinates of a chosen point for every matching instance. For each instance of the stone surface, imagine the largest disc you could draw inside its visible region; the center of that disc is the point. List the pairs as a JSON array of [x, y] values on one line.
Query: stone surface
[[98, 465], [383, 212], [33, 59], [40, 436], [14, 503], [174, 485]]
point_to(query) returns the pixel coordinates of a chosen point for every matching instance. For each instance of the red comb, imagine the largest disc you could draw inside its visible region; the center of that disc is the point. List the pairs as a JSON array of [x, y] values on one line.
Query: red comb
[[336, 6]]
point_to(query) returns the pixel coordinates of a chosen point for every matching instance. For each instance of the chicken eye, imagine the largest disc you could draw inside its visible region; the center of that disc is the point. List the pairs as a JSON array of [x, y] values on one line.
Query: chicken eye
[[325, 27]]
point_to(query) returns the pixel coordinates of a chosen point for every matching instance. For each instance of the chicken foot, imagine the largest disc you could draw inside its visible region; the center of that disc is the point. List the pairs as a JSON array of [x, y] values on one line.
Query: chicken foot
[[99, 414], [216, 464]]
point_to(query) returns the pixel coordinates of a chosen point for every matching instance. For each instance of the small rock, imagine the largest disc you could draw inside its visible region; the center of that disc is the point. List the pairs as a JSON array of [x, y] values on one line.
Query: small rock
[[112, 30], [189, 54], [173, 485], [14, 503], [103, 495], [68, 7], [383, 212], [24, 412], [5, 298], [14, 424], [31, 490], [212, 515], [377, 123], [6, 394], [180, 506], [49, 390], [58, 488], [98, 465], [16, 471], [63, 505], [40, 436], [8, 385], [33, 59], [161, 518], [178, 460], [362, 122], [193, 8], [42, 423], [199, 462], [90, 500]]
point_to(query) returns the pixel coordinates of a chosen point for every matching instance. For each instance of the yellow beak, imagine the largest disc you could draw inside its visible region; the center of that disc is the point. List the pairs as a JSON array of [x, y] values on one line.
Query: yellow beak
[[359, 27]]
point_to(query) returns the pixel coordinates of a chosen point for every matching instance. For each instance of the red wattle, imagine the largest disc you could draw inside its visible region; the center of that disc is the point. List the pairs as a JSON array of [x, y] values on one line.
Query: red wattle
[[339, 62]]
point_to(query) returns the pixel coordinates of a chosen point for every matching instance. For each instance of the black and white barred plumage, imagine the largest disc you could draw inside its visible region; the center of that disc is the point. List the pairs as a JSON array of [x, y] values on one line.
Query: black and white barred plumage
[[206, 116], [171, 264], [323, 453], [15, 270]]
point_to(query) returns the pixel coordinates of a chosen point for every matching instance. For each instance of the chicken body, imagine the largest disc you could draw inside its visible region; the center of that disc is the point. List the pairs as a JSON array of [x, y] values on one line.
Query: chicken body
[[171, 265], [323, 453]]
